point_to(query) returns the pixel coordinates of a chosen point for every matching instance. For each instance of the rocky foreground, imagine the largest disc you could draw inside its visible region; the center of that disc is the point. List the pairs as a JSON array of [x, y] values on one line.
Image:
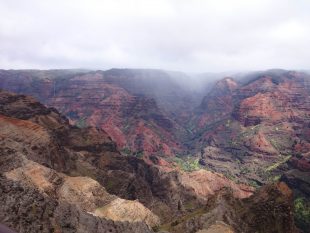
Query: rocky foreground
[[55, 177]]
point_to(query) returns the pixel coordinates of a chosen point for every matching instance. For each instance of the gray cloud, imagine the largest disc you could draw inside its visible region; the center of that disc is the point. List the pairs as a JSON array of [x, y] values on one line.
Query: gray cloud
[[194, 36]]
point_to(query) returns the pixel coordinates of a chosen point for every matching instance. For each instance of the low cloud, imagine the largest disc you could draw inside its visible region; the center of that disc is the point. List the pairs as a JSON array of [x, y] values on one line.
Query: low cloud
[[191, 36]]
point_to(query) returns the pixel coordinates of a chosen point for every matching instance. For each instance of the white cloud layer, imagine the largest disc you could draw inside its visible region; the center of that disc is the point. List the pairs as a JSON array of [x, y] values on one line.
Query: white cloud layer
[[194, 36]]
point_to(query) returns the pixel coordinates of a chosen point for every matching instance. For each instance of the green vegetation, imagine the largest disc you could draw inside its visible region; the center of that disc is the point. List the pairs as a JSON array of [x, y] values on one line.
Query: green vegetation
[[302, 214], [276, 178], [138, 154], [233, 143], [244, 170], [275, 144], [230, 177], [250, 131], [189, 164], [126, 151], [275, 165], [280, 139], [81, 123], [254, 184], [190, 205]]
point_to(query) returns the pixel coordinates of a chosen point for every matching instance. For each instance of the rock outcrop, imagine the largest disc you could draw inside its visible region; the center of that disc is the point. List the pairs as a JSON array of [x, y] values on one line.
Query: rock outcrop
[[268, 210], [27, 210], [38, 151]]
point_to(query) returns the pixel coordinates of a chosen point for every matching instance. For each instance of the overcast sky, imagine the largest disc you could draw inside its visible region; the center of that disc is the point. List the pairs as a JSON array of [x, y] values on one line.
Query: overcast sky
[[191, 36]]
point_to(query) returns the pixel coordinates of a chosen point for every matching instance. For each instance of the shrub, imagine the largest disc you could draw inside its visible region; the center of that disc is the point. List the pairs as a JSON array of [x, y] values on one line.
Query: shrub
[[191, 164], [302, 214], [126, 151]]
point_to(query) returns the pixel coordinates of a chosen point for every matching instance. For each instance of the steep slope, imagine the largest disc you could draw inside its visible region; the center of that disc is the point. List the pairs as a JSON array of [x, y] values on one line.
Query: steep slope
[[135, 123], [123, 104], [58, 177], [37, 83], [243, 129], [249, 128], [218, 103], [27, 210], [174, 92], [33, 194], [43, 154], [265, 211]]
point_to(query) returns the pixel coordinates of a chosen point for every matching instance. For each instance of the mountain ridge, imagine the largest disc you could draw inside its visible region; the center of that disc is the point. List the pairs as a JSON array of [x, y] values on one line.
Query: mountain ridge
[[253, 129], [69, 190]]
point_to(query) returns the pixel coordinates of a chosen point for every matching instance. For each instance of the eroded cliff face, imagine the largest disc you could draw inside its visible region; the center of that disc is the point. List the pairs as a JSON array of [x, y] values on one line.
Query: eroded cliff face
[[112, 103], [264, 123], [37, 148], [246, 126], [25, 209], [218, 103], [58, 177], [135, 123], [265, 211], [81, 169]]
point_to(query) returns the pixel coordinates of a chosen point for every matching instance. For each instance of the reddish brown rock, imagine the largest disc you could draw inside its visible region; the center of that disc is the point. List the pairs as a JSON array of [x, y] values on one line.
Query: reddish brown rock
[[101, 99], [266, 122], [37, 197]]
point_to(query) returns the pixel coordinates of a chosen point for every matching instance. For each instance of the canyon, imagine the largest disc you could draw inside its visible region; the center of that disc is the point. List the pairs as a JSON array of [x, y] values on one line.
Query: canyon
[[127, 150]]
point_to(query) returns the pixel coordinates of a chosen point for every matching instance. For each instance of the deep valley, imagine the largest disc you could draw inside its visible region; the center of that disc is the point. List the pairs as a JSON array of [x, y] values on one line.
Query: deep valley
[[138, 150]]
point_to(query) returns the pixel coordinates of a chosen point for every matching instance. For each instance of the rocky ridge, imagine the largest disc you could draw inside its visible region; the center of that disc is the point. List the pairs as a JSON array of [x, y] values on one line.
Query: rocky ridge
[[57, 177]]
